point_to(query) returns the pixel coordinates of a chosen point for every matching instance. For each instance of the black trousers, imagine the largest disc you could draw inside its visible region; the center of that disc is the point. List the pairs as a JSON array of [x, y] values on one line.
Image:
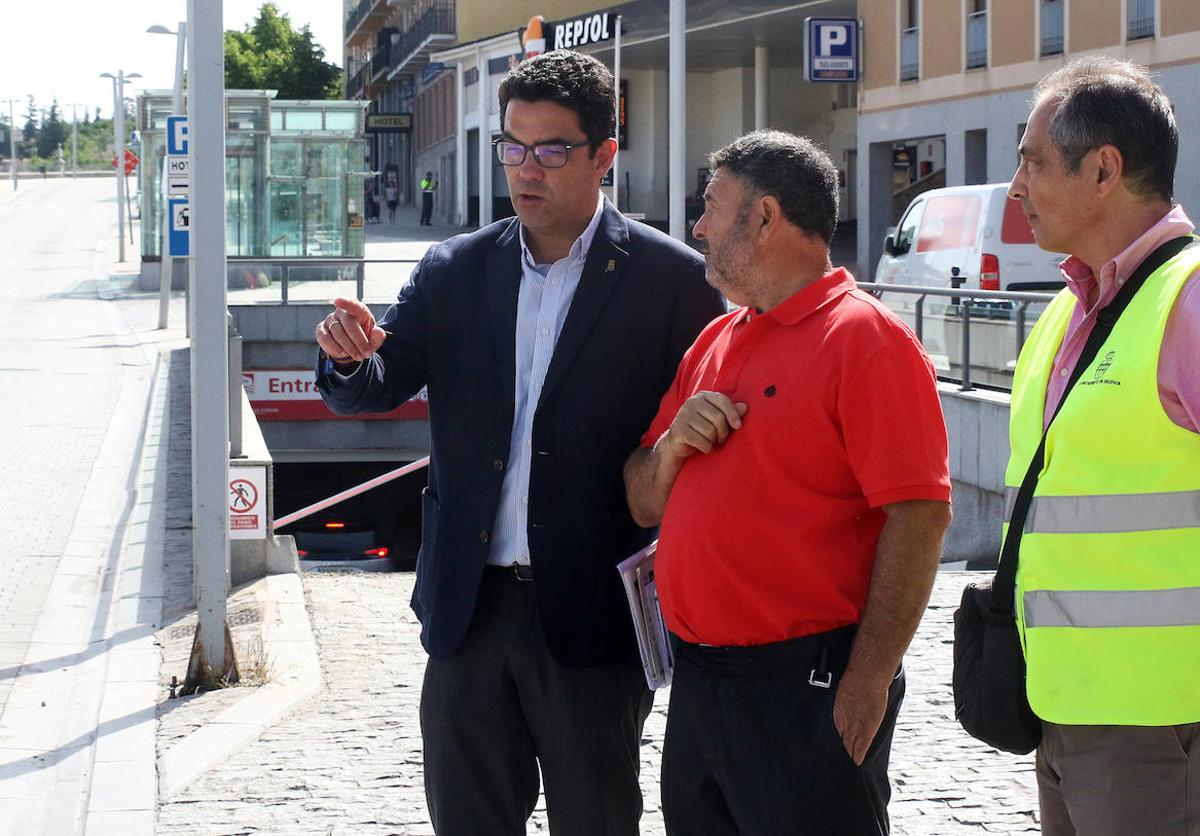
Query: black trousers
[[426, 207], [501, 706], [751, 747]]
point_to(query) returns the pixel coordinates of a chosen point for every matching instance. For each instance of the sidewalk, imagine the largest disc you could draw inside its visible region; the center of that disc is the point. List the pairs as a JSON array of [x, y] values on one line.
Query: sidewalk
[[349, 762]]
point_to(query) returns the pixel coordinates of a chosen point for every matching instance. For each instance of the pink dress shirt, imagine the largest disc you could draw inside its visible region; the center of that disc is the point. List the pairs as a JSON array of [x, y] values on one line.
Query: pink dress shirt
[[1178, 379]]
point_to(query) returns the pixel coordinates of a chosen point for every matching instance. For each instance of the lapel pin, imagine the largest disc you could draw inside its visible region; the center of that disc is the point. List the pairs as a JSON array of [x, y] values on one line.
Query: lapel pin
[[612, 265]]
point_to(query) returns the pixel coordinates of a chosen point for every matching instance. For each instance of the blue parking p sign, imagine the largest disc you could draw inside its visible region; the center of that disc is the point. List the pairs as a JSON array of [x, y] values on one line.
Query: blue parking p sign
[[831, 49]]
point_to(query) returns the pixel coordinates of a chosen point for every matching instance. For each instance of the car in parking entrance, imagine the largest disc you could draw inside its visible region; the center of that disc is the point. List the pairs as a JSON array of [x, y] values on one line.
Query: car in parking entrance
[[975, 229], [342, 546]]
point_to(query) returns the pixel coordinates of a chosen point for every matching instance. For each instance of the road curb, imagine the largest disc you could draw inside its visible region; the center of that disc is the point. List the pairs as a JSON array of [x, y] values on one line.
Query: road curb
[[290, 649]]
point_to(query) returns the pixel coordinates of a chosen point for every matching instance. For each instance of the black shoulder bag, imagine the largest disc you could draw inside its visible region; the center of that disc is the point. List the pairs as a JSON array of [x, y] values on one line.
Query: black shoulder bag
[[990, 700]]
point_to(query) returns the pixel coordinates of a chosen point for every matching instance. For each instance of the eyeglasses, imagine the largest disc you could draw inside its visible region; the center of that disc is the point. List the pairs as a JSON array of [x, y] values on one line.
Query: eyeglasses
[[547, 154]]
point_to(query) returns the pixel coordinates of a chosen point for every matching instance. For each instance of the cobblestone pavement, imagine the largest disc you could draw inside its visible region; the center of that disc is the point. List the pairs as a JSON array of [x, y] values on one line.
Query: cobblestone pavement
[[350, 761]]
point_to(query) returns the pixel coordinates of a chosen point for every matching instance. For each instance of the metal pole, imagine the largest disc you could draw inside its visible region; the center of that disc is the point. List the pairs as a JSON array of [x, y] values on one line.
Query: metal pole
[[166, 273], [760, 87], [12, 145], [119, 147], [74, 143], [965, 307], [485, 144], [460, 146], [677, 119], [616, 166], [212, 660]]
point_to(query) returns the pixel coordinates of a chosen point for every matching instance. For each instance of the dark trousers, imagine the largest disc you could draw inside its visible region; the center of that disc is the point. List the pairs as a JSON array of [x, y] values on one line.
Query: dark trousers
[[426, 207], [501, 705], [751, 747]]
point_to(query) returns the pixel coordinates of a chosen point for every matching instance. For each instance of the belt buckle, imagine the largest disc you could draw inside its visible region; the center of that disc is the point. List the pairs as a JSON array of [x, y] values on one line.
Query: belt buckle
[[522, 572]]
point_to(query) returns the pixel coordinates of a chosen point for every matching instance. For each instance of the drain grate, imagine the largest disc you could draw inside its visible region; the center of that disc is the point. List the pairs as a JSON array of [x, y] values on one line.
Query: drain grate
[[240, 617]]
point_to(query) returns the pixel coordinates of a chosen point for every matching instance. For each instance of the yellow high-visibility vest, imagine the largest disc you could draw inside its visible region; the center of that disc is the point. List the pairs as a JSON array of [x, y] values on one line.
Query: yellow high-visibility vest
[[1108, 583]]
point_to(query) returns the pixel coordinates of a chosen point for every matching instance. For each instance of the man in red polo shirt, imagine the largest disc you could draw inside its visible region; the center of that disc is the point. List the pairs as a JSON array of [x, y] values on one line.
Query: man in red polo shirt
[[798, 468]]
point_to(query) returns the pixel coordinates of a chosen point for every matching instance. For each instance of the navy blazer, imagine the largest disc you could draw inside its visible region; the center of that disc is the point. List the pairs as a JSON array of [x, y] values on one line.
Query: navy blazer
[[640, 303]]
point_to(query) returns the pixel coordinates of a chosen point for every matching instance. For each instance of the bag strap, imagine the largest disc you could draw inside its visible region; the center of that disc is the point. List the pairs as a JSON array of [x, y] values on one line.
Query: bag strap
[[1002, 601]]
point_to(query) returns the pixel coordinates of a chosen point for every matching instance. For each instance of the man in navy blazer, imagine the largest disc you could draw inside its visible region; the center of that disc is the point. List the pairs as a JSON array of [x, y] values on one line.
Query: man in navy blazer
[[546, 342]]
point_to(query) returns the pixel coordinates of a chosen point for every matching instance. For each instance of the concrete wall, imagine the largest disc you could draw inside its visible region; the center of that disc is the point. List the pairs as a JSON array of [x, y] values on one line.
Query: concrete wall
[[977, 425], [281, 337], [1001, 114]]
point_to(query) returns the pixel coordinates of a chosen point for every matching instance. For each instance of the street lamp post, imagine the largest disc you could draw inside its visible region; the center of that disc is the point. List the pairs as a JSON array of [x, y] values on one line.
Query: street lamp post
[[166, 273], [12, 145], [74, 142], [118, 81]]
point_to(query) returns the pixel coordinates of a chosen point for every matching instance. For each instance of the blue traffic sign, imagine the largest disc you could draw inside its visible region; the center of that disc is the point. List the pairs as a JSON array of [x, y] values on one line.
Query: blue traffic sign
[[177, 135], [179, 239], [831, 49]]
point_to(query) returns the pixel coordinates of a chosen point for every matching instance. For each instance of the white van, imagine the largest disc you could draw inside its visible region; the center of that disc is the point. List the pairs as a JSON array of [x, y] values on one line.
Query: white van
[[974, 228]]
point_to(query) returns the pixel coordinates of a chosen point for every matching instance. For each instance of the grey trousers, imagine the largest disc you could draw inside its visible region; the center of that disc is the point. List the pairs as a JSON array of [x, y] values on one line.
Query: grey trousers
[[1119, 780], [501, 706]]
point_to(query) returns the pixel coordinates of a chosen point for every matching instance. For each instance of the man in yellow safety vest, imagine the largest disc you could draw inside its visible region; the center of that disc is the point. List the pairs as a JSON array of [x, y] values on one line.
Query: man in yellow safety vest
[[1108, 577]]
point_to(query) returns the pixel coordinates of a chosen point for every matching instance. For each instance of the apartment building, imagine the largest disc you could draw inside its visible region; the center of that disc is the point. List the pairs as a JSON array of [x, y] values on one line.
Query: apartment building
[[947, 86], [387, 59]]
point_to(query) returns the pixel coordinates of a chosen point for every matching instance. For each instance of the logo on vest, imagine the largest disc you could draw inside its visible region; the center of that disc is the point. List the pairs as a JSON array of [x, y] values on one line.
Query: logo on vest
[[1099, 376]]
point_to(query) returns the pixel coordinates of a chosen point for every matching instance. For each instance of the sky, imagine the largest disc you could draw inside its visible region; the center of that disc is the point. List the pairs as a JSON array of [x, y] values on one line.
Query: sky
[[60, 49]]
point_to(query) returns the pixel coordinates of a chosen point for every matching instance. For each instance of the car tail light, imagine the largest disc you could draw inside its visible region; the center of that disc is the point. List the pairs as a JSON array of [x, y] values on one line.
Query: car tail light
[[379, 552], [335, 525], [302, 552], [989, 272]]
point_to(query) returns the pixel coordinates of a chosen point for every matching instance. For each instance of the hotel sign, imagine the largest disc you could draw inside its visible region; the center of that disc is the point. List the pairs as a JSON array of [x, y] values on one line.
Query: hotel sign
[[389, 123]]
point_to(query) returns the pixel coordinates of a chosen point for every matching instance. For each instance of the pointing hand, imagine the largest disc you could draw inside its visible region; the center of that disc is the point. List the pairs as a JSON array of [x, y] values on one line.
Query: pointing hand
[[349, 334]]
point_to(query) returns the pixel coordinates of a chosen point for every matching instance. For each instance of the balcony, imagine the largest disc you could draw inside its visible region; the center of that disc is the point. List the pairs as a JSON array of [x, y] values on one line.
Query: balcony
[[435, 29], [381, 60], [910, 54], [356, 83], [977, 40], [365, 19], [1052, 28]]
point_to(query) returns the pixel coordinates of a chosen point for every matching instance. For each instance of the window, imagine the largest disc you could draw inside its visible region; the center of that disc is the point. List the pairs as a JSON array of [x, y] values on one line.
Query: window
[[977, 35], [1140, 19], [906, 233], [1051, 27], [910, 43]]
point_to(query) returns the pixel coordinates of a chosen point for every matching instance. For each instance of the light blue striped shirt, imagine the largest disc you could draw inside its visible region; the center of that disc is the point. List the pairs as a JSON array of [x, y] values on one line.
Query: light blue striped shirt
[[542, 303]]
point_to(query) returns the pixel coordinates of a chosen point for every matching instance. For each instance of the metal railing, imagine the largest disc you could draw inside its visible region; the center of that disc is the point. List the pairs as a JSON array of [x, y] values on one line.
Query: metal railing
[[357, 82], [350, 493], [1052, 27], [966, 311], [910, 61], [977, 52], [1141, 19], [381, 60], [275, 278]]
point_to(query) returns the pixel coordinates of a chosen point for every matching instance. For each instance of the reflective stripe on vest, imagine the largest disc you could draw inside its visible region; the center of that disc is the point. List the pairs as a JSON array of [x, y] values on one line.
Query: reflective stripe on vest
[[1109, 512], [1138, 608], [1108, 584]]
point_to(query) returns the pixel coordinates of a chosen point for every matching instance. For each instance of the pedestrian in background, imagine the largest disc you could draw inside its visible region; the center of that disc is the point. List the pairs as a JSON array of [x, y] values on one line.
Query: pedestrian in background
[[545, 342], [1108, 576], [392, 194], [798, 467], [429, 185]]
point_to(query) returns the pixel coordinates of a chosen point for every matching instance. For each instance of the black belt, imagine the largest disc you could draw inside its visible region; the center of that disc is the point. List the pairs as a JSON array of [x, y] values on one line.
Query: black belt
[[514, 571], [829, 650]]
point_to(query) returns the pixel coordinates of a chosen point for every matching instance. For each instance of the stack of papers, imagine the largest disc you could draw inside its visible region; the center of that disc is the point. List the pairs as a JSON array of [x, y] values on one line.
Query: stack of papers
[[637, 573]]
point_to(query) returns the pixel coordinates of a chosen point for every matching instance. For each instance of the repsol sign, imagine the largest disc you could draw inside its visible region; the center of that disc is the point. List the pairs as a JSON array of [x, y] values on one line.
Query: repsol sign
[[580, 31]]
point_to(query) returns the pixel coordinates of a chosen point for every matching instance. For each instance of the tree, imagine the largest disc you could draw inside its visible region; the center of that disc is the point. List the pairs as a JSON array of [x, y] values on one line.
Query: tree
[[52, 134], [271, 55]]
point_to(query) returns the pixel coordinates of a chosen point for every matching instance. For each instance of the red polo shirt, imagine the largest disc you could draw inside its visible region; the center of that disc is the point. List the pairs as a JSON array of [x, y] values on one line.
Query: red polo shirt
[[772, 535]]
